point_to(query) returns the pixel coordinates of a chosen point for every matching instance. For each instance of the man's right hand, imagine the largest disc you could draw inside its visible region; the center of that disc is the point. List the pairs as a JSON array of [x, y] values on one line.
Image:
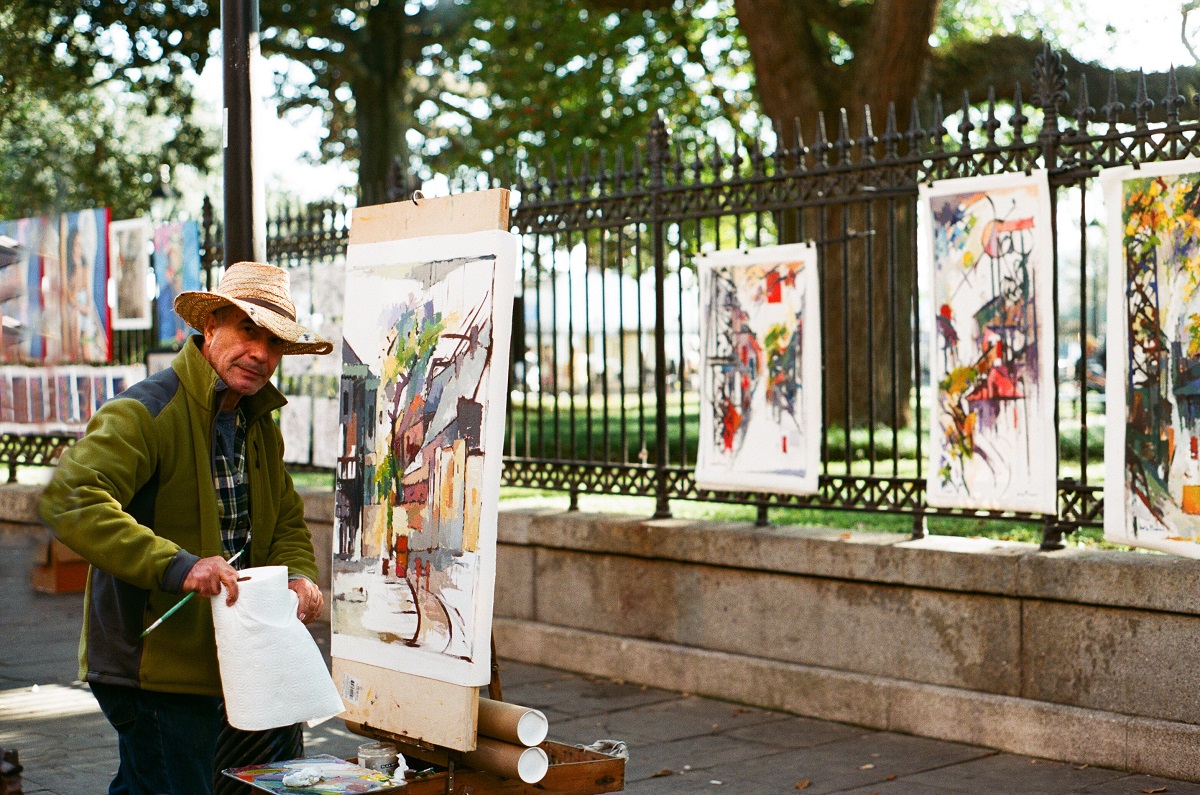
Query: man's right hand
[[208, 574]]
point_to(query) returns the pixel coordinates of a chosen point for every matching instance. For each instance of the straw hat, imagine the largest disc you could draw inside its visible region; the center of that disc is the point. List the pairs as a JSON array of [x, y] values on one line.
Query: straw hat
[[261, 291]]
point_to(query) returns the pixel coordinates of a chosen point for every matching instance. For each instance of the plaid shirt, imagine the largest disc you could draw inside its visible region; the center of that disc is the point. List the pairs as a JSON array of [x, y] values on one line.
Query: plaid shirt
[[229, 477]]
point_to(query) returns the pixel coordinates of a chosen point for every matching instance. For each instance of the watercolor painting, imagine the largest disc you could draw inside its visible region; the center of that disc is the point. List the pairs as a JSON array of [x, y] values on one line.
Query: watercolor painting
[[333, 776], [176, 269], [760, 394], [59, 399], [422, 398], [1152, 438], [129, 246], [987, 248]]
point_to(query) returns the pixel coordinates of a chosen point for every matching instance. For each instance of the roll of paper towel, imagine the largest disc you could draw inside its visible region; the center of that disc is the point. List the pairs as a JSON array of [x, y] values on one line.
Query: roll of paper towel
[[271, 669]]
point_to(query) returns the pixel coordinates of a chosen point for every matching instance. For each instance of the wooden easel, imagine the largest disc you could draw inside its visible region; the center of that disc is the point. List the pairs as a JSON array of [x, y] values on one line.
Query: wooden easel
[[390, 701]]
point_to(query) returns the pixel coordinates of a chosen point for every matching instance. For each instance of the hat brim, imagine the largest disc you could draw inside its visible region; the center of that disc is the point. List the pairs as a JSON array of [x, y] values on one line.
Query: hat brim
[[195, 307]]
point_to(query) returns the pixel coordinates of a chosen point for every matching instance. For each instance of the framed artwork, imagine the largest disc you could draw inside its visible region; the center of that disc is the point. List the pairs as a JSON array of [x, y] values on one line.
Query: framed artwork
[[1152, 385], [17, 244], [760, 393], [423, 386], [988, 253], [130, 245], [176, 269], [82, 296]]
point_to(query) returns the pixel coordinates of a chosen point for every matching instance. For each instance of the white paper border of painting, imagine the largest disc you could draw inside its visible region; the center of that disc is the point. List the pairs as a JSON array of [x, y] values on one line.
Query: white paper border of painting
[[1116, 365], [133, 224], [1044, 500], [709, 475], [415, 251]]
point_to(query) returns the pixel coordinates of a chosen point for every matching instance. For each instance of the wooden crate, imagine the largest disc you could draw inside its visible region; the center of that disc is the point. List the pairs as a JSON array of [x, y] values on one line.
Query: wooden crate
[[61, 570], [572, 770]]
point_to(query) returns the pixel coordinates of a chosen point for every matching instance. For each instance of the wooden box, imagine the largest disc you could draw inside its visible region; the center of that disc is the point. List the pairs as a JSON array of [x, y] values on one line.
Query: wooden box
[[61, 570], [572, 770]]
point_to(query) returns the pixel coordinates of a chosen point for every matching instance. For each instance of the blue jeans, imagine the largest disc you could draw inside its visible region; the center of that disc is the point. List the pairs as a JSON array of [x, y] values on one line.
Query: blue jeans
[[167, 741]]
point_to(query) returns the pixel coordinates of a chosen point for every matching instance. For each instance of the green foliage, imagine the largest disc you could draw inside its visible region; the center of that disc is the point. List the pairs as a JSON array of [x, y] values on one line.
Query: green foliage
[[71, 136]]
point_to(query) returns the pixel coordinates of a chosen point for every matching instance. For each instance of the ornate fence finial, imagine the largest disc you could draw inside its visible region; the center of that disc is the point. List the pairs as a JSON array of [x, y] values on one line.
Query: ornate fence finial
[[1113, 107], [866, 142], [915, 133], [657, 147], [1083, 110], [1173, 101], [1049, 86], [821, 145], [965, 126], [1142, 104], [891, 135], [1018, 119], [992, 123], [843, 143]]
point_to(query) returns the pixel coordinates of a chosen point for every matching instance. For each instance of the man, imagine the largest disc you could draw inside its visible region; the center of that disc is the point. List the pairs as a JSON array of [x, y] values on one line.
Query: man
[[177, 474]]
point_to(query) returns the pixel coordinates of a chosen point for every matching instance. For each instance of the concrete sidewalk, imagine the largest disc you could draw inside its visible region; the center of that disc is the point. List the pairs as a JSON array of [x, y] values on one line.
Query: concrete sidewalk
[[678, 743]]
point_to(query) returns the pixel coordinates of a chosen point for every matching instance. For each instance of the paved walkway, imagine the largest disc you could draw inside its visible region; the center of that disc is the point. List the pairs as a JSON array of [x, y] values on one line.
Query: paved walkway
[[678, 743]]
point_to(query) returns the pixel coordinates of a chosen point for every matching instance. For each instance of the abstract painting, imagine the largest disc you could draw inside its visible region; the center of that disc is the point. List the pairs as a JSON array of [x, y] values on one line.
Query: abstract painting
[[176, 269], [422, 400], [82, 294], [1152, 436], [129, 252], [760, 393], [987, 246]]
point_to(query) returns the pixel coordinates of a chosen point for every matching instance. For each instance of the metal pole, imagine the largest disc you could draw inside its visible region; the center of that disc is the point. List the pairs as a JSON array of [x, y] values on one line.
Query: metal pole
[[657, 154], [243, 213]]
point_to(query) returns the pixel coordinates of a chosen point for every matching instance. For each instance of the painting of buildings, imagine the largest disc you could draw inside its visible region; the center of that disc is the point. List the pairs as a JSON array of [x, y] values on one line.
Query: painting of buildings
[[422, 397], [760, 400], [1152, 438], [988, 250]]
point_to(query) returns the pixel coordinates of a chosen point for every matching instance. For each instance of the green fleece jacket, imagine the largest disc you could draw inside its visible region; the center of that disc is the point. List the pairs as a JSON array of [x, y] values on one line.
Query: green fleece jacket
[[135, 497]]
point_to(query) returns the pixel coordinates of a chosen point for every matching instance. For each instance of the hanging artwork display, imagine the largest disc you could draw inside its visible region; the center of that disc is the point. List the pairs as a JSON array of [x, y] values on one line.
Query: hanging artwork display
[[82, 296], [987, 247], [1152, 387], [20, 288], [176, 269], [423, 387], [760, 393], [129, 249], [59, 399]]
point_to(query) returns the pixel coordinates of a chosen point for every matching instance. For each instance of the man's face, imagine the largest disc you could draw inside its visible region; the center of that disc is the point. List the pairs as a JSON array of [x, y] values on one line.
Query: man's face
[[243, 354]]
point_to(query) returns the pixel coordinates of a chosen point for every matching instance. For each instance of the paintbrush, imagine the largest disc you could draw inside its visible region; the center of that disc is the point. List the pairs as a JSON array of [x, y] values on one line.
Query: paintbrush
[[187, 598]]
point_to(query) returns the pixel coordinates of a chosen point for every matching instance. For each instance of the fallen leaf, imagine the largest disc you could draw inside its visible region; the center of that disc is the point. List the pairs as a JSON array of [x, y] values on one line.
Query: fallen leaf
[[875, 755], [662, 773], [803, 784], [1081, 767], [891, 777], [1156, 789], [865, 767], [716, 726], [846, 536]]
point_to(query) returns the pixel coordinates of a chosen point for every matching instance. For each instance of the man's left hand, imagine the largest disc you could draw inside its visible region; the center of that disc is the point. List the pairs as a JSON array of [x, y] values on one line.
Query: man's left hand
[[311, 600]]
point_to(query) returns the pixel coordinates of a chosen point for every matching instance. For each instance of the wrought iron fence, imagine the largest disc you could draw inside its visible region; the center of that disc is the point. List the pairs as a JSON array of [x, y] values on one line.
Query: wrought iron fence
[[606, 339]]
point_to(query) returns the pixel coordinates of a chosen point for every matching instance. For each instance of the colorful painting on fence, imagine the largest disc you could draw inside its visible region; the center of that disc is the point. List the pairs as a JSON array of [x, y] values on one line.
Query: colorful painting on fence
[[988, 248], [423, 388], [760, 394], [129, 252], [1152, 437], [176, 269], [82, 290]]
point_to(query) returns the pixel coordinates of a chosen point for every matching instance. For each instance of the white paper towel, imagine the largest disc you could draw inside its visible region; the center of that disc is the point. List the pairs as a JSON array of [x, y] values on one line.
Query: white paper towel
[[271, 669]]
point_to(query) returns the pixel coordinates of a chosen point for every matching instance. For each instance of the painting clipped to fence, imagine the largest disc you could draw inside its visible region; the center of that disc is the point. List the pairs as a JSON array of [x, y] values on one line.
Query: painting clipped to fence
[[423, 388], [988, 248], [760, 393], [129, 254], [176, 269], [1152, 433]]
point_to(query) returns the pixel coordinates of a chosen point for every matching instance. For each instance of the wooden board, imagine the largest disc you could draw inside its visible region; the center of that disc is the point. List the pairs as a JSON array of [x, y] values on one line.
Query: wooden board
[[402, 704]]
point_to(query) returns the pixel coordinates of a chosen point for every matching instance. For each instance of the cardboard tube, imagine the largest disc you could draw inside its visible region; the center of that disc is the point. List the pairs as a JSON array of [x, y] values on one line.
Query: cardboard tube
[[508, 760], [512, 723]]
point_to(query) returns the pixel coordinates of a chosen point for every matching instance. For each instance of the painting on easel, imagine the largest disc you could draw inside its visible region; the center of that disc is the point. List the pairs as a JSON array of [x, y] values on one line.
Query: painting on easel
[[423, 386]]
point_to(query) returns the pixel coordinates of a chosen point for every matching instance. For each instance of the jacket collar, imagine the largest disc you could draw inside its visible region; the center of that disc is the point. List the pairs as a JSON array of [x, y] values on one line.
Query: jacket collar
[[199, 379]]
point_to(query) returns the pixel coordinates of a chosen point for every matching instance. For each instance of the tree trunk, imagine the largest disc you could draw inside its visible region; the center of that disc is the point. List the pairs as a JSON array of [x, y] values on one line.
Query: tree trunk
[[868, 271], [379, 101]]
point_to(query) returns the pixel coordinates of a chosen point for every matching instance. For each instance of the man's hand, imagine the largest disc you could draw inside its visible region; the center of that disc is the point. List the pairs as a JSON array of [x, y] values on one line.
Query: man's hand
[[311, 600], [208, 574]]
